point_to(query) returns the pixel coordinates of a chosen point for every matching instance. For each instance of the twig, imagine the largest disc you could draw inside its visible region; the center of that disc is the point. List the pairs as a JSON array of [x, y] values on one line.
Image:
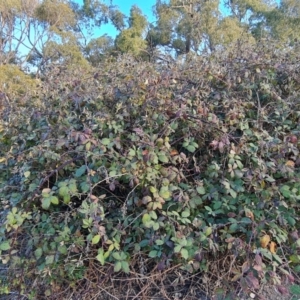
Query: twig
[[56, 171], [124, 205]]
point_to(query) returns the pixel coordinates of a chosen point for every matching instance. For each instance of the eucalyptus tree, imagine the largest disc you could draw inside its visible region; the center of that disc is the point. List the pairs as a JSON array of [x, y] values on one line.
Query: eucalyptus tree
[[195, 25], [132, 39], [284, 21], [18, 30]]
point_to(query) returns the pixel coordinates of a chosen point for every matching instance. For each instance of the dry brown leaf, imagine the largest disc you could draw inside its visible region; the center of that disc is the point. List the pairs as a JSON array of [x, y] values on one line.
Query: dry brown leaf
[[290, 164], [174, 152]]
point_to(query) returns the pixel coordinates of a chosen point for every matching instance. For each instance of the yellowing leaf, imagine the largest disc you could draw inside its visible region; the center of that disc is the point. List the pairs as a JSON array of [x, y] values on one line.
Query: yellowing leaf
[[146, 218], [273, 247], [264, 241], [2, 159]]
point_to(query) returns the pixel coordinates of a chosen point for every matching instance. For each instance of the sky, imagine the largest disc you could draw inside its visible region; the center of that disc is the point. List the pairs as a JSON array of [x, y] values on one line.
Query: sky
[[124, 6]]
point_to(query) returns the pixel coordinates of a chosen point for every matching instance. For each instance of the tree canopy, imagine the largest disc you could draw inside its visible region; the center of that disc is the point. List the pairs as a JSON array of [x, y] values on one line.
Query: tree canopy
[[37, 34]]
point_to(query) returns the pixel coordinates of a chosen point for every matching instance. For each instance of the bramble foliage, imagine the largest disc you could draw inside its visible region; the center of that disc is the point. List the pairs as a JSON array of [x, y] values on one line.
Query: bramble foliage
[[187, 164]]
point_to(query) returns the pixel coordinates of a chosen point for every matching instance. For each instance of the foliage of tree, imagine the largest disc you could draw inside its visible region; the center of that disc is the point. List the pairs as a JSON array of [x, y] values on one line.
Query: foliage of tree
[[99, 48], [48, 31], [200, 26], [284, 21], [131, 40]]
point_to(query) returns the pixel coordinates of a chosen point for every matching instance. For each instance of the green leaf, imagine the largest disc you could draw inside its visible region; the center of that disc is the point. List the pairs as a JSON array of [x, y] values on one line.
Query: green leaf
[[131, 152], [62, 249], [116, 255], [197, 200], [232, 193], [191, 148], [73, 187], [233, 227], [186, 213], [217, 205], [84, 187], [155, 226], [266, 253], [96, 239], [291, 221], [123, 256], [146, 218], [54, 200], [38, 253], [105, 141], [63, 191], [153, 253], [4, 246], [125, 266], [163, 158], [46, 203], [294, 258], [285, 190], [152, 189], [144, 243], [118, 266], [177, 248], [153, 215], [88, 146], [159, 242], [79, 172], [208, 231], [100, 256], [201, 190], [67, 199], [208, 208], [295, 289], [277, 258], [184, 253], [164, 192], [49, 259]]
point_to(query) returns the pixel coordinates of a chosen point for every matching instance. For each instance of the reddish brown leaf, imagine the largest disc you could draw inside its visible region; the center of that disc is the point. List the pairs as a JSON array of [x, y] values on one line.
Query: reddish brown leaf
[[112, 186], [290, 278], [282, 290], [252, 281], [245, 267], [214, 144], [258, 259]]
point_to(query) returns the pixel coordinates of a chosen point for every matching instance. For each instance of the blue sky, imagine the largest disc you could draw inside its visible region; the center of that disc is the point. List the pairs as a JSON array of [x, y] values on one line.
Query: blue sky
[[124, 6]]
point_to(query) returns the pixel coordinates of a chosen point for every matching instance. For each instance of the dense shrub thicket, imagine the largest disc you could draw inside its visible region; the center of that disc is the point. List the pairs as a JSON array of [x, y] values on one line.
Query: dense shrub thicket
[[140, 168]]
